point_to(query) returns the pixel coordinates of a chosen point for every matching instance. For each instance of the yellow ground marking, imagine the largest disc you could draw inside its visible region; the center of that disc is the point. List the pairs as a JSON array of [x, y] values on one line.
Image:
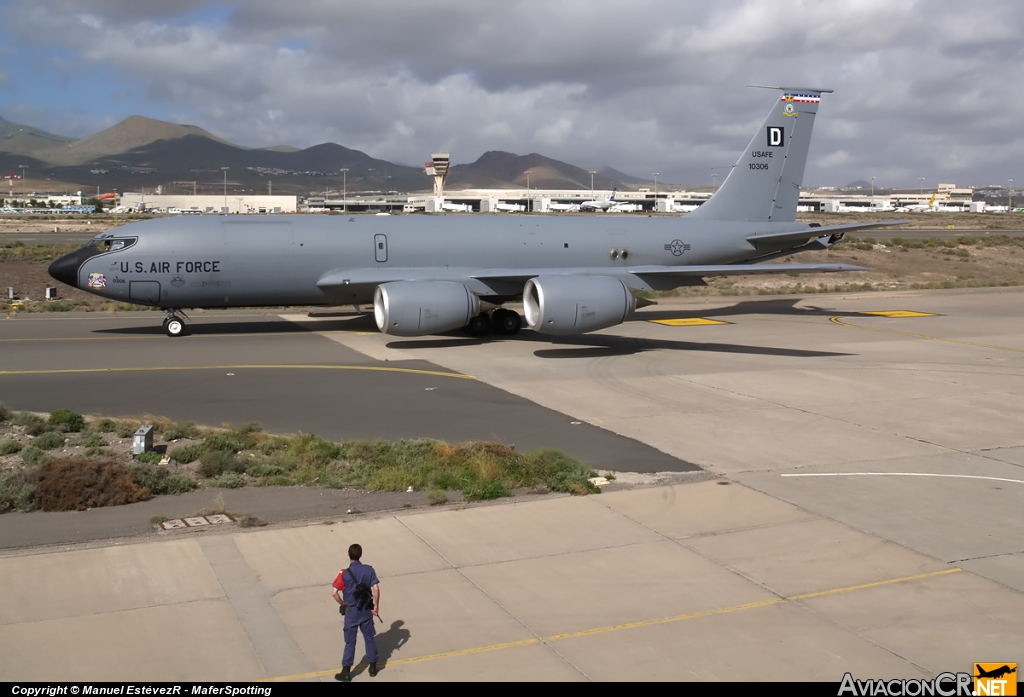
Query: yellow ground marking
[[152, 337], [380, 369], [840, 322], [687, 321], [899, 313], [635, 625]]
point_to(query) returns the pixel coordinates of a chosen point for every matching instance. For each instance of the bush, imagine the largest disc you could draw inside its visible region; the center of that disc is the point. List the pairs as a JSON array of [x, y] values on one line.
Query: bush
[[186, 453], [150, 456], [126, 429], [77, 484], [435, 497], [220, 442], [277, 480], [105, 426], [74, 421], [49, 440], [229, 480], [159, 481], [180, 429], [9, 447], [17, 492], [32, 455], [94, 440], [5, 414], [264, 469], [215, 463]]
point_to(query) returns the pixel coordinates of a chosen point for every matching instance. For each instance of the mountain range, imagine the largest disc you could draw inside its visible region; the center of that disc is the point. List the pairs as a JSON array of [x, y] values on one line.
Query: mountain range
[[140, 152]]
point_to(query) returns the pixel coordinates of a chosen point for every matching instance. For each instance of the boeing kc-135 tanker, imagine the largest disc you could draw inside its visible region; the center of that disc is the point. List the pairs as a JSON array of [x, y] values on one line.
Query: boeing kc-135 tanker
[[433, 274]]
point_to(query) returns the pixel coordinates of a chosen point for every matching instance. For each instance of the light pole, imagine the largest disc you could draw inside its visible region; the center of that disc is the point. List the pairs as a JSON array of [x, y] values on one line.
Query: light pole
[[592, 173], [714, 183], [24, 173], [1009, 205], [528, 206], [344, 184], [922, 185], [655, 187], [225, 171], [872, 187]]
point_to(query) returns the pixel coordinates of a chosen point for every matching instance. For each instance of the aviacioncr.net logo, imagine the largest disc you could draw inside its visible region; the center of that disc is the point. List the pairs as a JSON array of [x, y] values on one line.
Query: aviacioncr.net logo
[[943, 685]]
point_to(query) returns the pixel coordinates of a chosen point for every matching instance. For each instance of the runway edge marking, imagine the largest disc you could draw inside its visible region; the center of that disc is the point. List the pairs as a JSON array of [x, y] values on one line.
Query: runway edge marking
[[837, 320]]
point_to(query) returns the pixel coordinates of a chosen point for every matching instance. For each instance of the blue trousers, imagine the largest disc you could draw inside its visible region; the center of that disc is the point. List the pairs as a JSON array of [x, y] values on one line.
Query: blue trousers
[[356, 621]]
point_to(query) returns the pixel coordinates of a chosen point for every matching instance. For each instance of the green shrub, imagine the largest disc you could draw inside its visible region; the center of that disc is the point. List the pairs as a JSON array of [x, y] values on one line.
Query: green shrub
[[277, 480], [229, 480], [186, 453], [159, 481], [105, 426], [215, 463], [150, 456], [94, 440], [74, 421], [58, 306], [9, 447], [180, 429], [49, 440], [96, 452], [5, 414], [127, 429], [272, 445], [220, 442], [17, 493], [264, 469], [436, 497]]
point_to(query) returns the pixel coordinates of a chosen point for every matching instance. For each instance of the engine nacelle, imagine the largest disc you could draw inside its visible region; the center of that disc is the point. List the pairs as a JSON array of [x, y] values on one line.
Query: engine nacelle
[[576, 304], [417, 308]]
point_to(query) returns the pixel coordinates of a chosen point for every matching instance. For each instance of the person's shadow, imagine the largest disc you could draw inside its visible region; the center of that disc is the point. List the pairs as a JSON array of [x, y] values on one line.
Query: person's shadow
[[387, 644]]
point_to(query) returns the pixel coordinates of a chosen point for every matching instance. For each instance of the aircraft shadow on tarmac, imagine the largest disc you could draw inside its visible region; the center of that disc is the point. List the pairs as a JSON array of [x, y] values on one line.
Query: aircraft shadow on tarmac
[[774, 306], [598, 345], [271, 325]]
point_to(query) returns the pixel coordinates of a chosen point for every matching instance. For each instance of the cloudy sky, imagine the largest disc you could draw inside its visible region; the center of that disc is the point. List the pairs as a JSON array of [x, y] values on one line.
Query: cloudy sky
[[922, 89]]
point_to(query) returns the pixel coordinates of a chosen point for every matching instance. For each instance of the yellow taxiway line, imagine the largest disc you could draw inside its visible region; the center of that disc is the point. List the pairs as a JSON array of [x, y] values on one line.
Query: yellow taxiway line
[[634, 625], [379, 369], [837, 320]]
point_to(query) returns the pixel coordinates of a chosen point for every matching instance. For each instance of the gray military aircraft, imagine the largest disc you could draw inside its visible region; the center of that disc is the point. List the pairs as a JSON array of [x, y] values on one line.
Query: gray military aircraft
[[432, 274]]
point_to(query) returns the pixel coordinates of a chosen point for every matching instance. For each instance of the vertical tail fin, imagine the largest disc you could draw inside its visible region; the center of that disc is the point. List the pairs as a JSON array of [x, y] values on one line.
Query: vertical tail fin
[[764, 185]]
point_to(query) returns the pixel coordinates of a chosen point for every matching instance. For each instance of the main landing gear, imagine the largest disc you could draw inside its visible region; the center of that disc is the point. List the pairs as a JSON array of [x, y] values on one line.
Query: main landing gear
[[174, 325], [501, 321]]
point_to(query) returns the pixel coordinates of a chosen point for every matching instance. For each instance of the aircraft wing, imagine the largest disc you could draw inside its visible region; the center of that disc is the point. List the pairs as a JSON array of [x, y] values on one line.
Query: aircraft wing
[[498, 281], [816, 232]]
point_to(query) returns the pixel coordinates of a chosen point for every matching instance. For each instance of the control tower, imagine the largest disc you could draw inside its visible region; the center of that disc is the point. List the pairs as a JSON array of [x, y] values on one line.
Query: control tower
[[438, 169]]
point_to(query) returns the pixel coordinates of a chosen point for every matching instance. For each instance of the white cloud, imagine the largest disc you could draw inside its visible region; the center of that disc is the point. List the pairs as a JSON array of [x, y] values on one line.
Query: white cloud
[[921, 89]]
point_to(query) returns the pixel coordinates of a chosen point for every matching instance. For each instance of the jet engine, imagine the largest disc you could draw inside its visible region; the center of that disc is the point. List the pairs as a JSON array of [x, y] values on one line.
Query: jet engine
[[576, 304], [417, 308]]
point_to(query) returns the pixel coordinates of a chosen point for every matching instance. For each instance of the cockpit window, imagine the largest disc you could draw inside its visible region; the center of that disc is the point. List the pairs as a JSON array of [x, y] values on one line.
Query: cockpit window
[[112, 244]]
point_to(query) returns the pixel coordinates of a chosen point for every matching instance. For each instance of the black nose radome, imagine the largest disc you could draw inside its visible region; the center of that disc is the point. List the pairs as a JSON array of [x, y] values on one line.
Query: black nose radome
[[66, 268]]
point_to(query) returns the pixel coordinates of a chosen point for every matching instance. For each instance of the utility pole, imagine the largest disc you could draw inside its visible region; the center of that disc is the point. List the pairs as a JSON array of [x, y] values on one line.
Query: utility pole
[[528, 206], [655, 187], [592, 173], [922, 185], [872, 187], [225, 170], [1009, 206], [344, 185], [714, 183], [24, 174]]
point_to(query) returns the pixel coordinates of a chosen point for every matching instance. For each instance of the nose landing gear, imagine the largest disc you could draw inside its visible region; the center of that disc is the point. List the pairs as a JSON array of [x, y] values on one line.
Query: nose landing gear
[[173, 325]]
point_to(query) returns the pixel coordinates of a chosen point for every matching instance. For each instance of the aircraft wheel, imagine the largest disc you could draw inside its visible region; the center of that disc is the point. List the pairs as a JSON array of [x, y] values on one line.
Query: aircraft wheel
[[479, 325], [174, 326], [506, 322]]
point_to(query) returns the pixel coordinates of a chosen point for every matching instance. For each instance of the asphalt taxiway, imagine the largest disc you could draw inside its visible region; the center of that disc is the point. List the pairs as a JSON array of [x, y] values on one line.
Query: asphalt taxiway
[[869, 459]]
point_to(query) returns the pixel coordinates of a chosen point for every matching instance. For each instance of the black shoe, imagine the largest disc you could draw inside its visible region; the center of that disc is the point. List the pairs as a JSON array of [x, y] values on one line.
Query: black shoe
[[345, 675], [373, 670]]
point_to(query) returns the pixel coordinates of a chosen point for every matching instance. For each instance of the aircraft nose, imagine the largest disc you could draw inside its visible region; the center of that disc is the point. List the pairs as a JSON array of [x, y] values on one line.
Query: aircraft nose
[[66, 268]]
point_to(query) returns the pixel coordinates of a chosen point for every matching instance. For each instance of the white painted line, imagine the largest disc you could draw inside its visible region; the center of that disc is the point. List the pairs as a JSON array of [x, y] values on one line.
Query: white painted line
[[902, 474]]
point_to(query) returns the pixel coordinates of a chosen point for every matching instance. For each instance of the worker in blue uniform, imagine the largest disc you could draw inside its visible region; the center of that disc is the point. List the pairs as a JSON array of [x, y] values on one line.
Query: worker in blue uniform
[[357, 592]]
